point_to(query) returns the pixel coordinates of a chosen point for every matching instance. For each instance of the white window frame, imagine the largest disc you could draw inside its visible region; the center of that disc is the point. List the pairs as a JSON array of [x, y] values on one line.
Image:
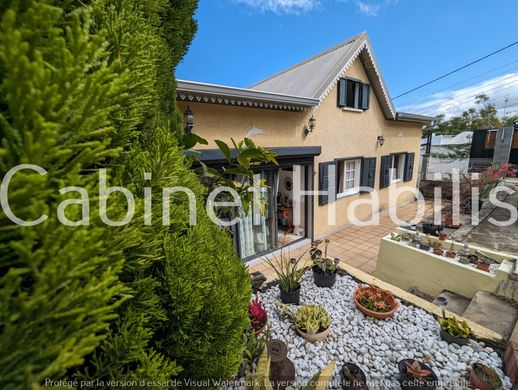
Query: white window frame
[[397, 173], [343, 177]]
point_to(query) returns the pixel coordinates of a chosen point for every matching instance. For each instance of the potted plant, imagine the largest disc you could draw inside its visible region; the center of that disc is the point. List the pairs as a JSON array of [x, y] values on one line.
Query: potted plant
[[253, 346], [438, 251], [451, 253], [324, 268], [312, 322], [484, 378], [288, 274], [258, 316], [353, 377], [443, 236], [415, 375], [454, 331], [375, 302]]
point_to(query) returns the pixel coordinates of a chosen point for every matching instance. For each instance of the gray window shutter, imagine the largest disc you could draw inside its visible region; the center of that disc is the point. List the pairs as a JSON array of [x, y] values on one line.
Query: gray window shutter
[[342, 92], [386, 163], [368, 174], [365, 96], [409, 167], [327, 182]]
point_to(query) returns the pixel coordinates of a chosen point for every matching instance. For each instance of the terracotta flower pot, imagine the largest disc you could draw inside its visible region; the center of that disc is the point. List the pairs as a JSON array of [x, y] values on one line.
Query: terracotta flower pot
[[483, 267], [314, 337], [443, 236], [261, 330], [437, 251], [375, 314], [451, 254], [478, 383]]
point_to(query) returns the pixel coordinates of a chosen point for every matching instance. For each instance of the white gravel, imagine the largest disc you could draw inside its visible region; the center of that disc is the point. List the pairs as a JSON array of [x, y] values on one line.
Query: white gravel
[[376, 346]]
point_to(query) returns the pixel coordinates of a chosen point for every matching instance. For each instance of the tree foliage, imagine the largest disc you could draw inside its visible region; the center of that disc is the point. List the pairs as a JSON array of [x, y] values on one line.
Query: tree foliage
[[482, 116], [88, 85]]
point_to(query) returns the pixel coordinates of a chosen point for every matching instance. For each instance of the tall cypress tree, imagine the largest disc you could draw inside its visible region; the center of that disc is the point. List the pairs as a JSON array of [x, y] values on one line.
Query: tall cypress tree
[[90, 86]]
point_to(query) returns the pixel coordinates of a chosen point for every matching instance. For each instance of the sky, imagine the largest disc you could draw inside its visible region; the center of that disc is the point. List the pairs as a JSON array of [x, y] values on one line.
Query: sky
[[240, 42]]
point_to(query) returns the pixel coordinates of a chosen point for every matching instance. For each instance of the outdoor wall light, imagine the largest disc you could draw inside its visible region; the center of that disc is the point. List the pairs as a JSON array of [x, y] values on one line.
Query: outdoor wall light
[[311, 125], [188, 119], [381, 140]]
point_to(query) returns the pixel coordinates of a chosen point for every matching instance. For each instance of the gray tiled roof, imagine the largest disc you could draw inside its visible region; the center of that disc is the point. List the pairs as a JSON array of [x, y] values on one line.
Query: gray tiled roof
[[312, 76]]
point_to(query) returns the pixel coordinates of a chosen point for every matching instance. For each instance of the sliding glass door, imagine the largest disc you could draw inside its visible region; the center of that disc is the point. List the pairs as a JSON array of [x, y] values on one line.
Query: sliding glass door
[[257, 230]]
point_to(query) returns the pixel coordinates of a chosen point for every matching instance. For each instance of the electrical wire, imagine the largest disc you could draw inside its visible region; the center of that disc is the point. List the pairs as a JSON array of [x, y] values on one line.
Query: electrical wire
[[457, 70], [449, 87]]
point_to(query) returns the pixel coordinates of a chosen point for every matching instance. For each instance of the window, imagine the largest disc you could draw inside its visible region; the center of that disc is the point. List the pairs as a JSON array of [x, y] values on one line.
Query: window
[[349, 172], [397, 168], [353, 94], [489, 142]]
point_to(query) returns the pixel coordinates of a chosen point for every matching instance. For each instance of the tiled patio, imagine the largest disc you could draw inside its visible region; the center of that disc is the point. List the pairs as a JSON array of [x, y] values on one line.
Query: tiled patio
[[357, 245]]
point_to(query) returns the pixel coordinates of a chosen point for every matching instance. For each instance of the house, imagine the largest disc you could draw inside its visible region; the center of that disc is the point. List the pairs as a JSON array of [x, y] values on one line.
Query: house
[[333, 124]]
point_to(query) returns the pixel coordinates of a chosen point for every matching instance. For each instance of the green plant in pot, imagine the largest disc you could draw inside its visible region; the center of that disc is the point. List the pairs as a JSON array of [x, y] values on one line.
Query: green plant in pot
[[289, 272], [484, 378], [253, 346], [324, 268], [312, 322], [454, 331]]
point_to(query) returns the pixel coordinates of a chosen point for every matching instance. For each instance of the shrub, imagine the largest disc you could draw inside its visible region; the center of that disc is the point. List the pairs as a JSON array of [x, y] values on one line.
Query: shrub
[[86, 85]]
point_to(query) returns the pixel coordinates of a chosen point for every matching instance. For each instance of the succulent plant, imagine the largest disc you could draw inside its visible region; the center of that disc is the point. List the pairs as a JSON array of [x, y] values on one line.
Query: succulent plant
[[311, 319], [455, 327], [414, 370], [487, 375]]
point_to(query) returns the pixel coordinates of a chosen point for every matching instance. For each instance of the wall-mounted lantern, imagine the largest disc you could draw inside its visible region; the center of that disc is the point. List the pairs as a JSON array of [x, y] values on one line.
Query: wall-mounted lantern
[[188, 120], [381, 140], [312, 123]]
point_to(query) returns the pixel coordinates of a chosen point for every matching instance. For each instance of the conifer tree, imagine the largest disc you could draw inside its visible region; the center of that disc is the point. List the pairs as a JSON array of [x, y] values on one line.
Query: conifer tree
[[84, 87]]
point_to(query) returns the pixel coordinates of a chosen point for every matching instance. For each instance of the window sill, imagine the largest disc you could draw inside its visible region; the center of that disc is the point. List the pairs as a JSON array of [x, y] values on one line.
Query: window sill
[[396, 181], [352, 109], [347, 193]]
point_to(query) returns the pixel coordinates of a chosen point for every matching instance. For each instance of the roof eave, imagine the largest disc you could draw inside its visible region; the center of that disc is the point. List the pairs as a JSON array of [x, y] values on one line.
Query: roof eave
[[416, 118], [215, 90]]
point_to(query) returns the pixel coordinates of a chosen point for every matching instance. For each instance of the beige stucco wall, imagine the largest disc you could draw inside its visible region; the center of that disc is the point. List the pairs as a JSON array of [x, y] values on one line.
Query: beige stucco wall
[[340, 133], [404, 266]]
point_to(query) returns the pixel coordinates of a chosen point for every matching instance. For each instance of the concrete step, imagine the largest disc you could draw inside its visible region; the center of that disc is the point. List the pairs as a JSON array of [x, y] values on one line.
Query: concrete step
[[493, 313], [456, 303]]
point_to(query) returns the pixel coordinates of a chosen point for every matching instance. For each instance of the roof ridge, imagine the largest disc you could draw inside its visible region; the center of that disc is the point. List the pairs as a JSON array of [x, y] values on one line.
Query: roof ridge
[[314, 57]]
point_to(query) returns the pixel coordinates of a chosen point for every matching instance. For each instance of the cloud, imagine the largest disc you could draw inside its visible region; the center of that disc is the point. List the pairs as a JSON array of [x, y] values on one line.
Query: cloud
[[371, 8], [454, 102], [281, 6]]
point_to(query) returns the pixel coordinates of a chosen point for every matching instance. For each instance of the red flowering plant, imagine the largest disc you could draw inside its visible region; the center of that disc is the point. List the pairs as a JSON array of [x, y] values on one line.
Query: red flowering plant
[[492, 176], [257, 314]]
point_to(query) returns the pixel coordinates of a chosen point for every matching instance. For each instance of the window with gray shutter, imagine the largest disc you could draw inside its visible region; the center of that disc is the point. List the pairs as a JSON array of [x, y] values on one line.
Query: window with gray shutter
[[368, 174], [386, 163], [327, 182], [409, 167], [342, 92], [365, 96], [353, 94]]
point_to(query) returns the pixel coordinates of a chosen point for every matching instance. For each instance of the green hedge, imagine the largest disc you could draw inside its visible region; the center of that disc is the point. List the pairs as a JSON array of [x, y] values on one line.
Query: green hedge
[[84, 87]]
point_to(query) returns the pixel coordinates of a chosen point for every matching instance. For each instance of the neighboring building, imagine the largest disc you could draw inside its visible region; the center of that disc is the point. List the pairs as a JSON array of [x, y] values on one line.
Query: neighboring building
[[494, 146], [343, 90], [447, 153]]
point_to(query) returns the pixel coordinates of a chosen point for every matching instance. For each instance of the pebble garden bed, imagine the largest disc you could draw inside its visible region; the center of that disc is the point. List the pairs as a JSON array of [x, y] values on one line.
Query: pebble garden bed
[[375, 345]]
